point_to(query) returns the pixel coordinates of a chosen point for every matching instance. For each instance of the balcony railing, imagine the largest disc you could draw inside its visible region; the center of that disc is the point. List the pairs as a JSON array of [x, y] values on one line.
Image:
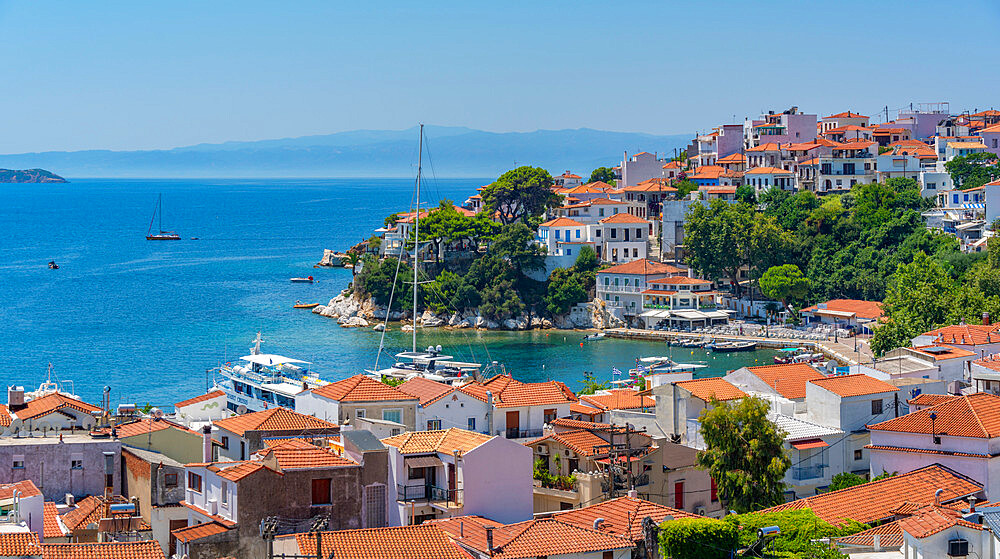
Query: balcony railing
[[619, 289], [427, 493], [808, 472], [518, 433]]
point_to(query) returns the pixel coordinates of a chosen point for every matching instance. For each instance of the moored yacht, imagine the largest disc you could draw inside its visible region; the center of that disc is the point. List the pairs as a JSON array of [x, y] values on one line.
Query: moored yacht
[[261, 381], [430, 364]]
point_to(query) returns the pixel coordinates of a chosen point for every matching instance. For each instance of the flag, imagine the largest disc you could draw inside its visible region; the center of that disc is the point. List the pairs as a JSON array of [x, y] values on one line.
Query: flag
[[615, 371]]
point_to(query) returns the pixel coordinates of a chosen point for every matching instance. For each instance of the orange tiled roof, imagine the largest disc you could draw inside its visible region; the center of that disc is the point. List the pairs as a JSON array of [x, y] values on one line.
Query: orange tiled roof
[[768, 171], [933, 519], [859, 384], [733, 158], [202, 398], [274, 419], [874, 501], [301, 455], [950, 353], [789, 379], [890, 535], [49, 403], [582, 409], [619, 399], [976, 415], [425, 389], [5, 418], [50, 521], [147, 549], [446, 441], [768, 146], [561, 222], [26, 487], [846, 114], [577, 424], [550, 536], [19, 544], [965, 334], [623, 217], [931, 399], [622, 516], [198, 531], [705, 388], [89, 511], [148, 425], [510, 393], [235, 471], [674, 165], [361, 388], [862, 309], [642, 267], [423, 541], [582, 441]]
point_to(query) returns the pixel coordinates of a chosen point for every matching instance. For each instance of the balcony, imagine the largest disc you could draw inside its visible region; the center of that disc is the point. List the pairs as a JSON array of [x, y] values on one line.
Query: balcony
[[407, 493], [518, 433], [619, 289], [801, 473]]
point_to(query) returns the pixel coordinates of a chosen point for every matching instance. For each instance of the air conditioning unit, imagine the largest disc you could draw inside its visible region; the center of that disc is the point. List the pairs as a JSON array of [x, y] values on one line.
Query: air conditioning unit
[[213, 506], [700, 511], [543, 449], [958, 548]]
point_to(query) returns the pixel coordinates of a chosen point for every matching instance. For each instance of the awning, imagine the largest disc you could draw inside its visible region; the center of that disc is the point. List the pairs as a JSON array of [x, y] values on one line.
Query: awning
[[655, 313], [271, 359], [974, 206], [422, 462], [809, 443]]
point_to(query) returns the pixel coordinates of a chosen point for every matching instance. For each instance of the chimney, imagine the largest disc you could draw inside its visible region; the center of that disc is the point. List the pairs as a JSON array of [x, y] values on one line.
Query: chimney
[[633, 493], [206, 435], [986, 319], [109, 476], [597, 523], [972, 504], [489, 539], [937, 497], [15, 397], [489, 412]]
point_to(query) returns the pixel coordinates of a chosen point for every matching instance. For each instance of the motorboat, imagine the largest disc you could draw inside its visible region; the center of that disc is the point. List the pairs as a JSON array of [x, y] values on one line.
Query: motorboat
[[301, 305], [691, 342], [260, 381], [430, 364], [307, 279], [594, 337], [733, 346], [53, 265]]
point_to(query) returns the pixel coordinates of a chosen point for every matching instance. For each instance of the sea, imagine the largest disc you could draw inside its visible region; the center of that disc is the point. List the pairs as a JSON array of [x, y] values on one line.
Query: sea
[[149, 319]]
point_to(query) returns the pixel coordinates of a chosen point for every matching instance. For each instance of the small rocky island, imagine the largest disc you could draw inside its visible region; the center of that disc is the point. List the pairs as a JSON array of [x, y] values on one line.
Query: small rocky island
[[29, 176]]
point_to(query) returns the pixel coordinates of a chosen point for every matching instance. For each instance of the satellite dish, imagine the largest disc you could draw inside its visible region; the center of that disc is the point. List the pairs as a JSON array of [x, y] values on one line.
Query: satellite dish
[[241, 409], [157, 413]]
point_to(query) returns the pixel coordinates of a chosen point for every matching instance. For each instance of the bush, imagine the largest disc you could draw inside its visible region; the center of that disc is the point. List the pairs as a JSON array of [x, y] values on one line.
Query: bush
[[844, 480], [798, 529], [698, 538]]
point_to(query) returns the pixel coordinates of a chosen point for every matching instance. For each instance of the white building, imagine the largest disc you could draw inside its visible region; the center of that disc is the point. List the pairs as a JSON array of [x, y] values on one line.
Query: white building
[[640, 167], [622, 238], [443, 406], [621, 286], [763, 179], [516, 409], [454, 472]]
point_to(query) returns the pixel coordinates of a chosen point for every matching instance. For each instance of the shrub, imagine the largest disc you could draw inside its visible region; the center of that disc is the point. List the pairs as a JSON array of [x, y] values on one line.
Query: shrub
[[798, 529], [698, 538]]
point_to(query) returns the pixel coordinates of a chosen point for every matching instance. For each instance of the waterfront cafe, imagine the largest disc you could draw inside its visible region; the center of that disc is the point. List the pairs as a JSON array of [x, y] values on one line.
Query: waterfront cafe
[[683, 319], [681, 302]]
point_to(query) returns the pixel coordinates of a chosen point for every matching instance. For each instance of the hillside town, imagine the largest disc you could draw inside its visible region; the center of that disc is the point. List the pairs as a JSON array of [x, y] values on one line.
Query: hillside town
[[858, 246]]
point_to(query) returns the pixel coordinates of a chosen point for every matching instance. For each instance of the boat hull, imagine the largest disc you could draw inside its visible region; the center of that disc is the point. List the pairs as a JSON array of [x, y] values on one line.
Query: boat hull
[[163, 237]]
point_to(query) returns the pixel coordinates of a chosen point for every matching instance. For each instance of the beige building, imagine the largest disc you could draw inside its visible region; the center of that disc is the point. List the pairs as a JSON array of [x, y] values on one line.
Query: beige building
[[360, 396]]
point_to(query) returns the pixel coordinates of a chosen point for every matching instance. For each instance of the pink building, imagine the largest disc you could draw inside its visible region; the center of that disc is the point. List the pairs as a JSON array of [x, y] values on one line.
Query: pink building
[[790, 126]]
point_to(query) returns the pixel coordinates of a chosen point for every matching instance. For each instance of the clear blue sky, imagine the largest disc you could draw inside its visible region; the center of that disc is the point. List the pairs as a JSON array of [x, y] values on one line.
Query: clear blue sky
[[133, 74]]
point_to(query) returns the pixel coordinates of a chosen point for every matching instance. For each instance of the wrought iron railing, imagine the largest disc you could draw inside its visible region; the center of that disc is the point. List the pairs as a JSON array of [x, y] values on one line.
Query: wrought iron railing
[[427, 493]]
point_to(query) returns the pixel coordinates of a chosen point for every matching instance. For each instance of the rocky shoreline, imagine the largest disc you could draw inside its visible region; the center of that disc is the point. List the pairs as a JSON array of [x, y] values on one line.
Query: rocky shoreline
[[351, 311]]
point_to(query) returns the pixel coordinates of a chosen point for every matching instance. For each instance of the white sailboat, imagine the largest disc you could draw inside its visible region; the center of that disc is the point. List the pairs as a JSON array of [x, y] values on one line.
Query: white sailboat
[[430, 363]]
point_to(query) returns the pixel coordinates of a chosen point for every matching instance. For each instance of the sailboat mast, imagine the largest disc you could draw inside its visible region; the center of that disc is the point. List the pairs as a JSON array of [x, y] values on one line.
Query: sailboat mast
[[416, 234], [159, 211]]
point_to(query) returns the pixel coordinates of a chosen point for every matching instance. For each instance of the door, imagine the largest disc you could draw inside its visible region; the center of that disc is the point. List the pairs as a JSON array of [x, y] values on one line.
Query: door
[[175, 525], [513, 424], [452, 484], [679, 495]]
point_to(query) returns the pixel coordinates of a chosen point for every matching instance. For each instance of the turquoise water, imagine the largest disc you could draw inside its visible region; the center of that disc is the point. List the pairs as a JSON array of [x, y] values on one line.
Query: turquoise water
[[148, 318]]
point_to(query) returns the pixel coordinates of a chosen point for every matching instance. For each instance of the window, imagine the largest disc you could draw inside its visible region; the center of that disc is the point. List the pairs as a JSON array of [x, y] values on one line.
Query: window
[[607, 280], [614, 233], [577, 233], [321, 491], [194, 482], [597, 232], [857, 454], [472, 420], [569, 252], [638, 232], [170, 480], [359, 413], [18, 463], [416, 473], [876, 407], [224, 490], [557, 234], [395, 415], [608, 555], [635, 253], [225, 442], [76, 464], [600, 212], [550, 415], [433, 424]]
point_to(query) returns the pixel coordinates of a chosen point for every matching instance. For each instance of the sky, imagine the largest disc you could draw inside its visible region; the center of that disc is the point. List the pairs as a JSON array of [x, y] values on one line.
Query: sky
[[145, 75]]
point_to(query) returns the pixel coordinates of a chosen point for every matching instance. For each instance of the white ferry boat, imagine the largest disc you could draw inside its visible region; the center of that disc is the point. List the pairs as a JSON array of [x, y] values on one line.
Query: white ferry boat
[[261, 381]]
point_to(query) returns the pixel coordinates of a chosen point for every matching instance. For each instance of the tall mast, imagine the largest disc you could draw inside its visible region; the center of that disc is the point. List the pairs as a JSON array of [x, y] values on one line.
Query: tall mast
[[416, 234], [159, 211]]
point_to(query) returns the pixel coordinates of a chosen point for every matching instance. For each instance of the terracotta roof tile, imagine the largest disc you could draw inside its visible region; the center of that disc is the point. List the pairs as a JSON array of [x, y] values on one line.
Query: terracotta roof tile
[[202, 398], [236, 471], [948, 353], [91, 510], [622, 516], [576, 424], [26, 487], [926, 451], [198, 531], [147, 425], [427, 390], [38, 407], [361, 388], [583, 409], [423, 541], [510, 393], [148, 549], [5, 418], [549, 536], [582, 441], [846, 114], [930, 399], [846, 386], [446, 441], [623, 217], [768, 171], [620, 399], [862, 309], [733, 158], [52, 526], [789, 380], [768, 146], [274, 419], [931, 519], [976, 415], [874, 501], [705, 388], [293, 456], [562, 222], [890, 535], [966, 334], [642, 267], [19, 544]]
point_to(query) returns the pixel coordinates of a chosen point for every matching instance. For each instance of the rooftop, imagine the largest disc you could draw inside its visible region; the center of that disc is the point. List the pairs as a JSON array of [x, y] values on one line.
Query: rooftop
[[19, 544], [562, 222], [860, 308], [622, 516], [582, 441], [202, 398], [543, 537], [274, 419], [361, 388], [941, 351], [423, 541], [37, 407], [623, 217], [619, 399], [976, 415], [445, 441], [510, 393], [789, 380], [297, 454], [642, 267], [859, 384], [426, 390], [52, 526], [148, 549], [198, 531], [707, 388], [931, 519], [147, 425]]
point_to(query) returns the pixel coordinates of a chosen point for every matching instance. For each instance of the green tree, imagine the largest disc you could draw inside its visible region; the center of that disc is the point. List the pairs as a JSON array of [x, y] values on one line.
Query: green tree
[[744, 453], [919, 299], [590, 384], [516, 243], [520, 194], [799, 530], [713, 234], [352, 259], [603, 174], [377, 277], [783, 283], [698, 538], [971, 171], [564, 290], [843, 480], [684, 187], [746, 194], [587, 260], [500, 301]]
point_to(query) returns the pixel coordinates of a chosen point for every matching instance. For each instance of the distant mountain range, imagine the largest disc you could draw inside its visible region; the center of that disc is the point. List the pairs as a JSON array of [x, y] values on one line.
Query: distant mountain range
[[449, 152]]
